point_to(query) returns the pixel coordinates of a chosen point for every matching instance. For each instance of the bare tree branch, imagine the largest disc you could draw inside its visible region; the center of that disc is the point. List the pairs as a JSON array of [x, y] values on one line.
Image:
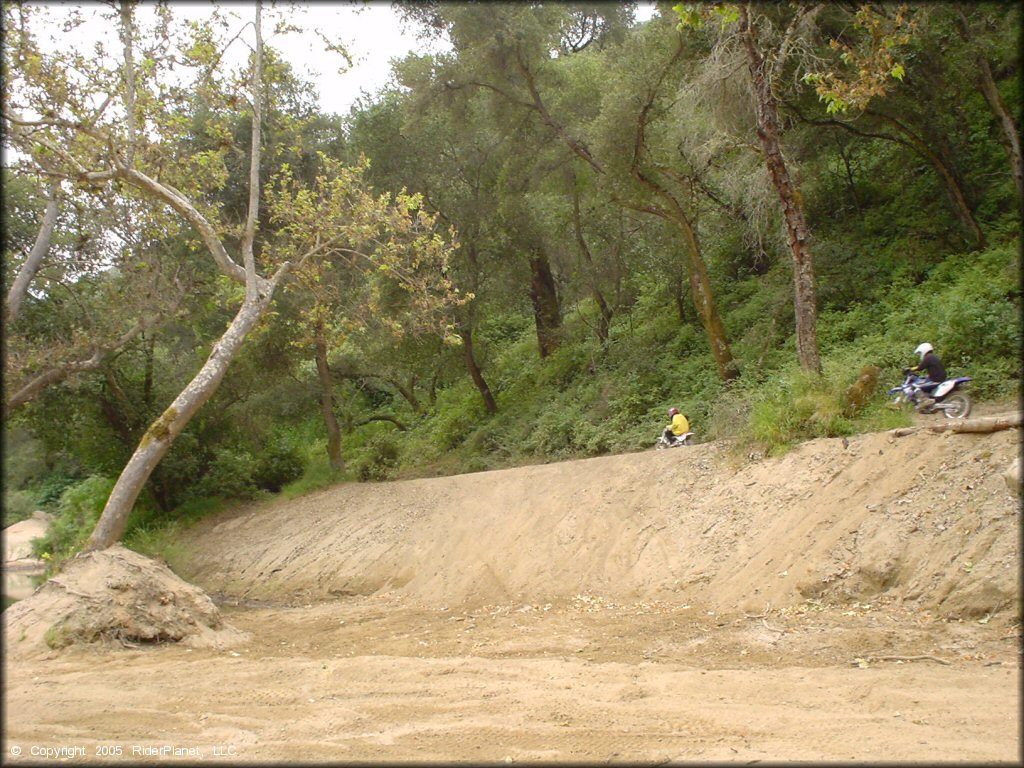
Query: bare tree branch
[[35, 258], [59, 373]]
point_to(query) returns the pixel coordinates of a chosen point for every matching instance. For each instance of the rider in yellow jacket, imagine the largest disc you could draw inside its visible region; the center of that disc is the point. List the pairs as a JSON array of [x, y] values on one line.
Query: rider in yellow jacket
[[679, 426]]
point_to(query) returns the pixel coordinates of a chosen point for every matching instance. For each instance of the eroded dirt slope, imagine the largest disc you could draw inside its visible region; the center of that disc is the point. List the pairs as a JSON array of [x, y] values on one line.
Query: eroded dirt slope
[[924, 517], [844, 603]]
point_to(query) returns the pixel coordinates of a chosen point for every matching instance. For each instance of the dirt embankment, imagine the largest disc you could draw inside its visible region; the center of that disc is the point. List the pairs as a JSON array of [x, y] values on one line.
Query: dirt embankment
[[851, 601], [924, 517]]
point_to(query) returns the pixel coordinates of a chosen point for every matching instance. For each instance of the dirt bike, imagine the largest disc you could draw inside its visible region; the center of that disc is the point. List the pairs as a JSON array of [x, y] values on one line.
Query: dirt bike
[[673, 442], [947, 396]]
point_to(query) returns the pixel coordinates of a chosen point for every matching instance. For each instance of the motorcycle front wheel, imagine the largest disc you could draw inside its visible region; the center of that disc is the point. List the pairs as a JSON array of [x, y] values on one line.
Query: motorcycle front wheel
[[956, 406]]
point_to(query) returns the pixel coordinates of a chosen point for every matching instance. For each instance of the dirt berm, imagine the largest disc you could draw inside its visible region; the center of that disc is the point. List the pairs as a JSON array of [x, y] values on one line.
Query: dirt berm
[[846, 602], [926, 517]]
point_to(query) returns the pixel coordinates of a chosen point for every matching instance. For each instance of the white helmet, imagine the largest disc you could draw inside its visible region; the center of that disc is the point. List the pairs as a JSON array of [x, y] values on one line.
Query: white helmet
[[923, 349]]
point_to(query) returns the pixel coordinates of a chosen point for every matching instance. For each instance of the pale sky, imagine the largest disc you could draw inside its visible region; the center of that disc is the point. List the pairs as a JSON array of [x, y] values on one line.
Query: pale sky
[[370, 31], [374, 36]]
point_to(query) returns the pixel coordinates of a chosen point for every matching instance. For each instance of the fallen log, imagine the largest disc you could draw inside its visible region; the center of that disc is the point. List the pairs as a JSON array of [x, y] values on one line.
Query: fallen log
[[980, 425]]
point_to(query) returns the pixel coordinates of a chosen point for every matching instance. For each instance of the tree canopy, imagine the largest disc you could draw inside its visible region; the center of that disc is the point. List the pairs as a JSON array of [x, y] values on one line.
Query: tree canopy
[[526, 247]]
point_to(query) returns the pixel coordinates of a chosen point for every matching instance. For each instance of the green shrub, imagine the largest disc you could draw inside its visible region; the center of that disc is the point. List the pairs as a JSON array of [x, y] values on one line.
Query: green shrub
[[798, 405], [457, 414], [52, 487], [310, 446], [160, 542], [976, 315], [278, 465], [197, 508], [729, 415], [552, 434], [232, 475], [486, 440], [562, 367], [631, 405], [18, 506], [380, 457], [774, 425], [180, 467], [591, 439], [76, 515], [317, 473]]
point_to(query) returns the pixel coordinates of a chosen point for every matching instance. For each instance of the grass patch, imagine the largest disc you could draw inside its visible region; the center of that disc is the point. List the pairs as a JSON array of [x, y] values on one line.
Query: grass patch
[[317, 474], [158, 542]]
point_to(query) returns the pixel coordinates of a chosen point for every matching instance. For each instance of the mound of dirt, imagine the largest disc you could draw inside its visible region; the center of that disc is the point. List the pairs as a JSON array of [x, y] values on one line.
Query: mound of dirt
[[925, 517], [114, 596]]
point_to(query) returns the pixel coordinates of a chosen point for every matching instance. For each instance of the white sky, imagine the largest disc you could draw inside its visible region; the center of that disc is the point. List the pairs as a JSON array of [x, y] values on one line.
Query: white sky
[[373, 34], [370, 31]]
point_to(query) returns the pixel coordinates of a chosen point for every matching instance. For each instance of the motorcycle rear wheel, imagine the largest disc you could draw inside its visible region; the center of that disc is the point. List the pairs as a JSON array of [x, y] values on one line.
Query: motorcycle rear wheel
[[957, 406]]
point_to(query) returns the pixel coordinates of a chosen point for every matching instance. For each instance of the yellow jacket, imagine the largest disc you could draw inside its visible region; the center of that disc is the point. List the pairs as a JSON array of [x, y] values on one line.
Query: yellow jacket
[[679, 425]]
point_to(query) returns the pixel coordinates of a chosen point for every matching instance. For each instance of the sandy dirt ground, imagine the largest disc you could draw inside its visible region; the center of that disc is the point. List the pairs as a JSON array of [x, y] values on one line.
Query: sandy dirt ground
[[21, 570], [847, 602]]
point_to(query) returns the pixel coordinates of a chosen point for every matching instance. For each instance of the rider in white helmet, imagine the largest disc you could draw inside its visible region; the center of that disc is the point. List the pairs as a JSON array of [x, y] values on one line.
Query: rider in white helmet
[[934, 370]]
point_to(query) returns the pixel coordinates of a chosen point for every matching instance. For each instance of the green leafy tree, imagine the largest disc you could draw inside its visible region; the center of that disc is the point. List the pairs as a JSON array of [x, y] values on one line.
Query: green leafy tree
[[767, 37], [382, 267], [132, 145], [451, 154], [531, 74]]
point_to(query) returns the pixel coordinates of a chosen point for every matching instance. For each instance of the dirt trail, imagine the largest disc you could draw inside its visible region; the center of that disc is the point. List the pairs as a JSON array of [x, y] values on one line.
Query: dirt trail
[[853, 601], [22, 572]]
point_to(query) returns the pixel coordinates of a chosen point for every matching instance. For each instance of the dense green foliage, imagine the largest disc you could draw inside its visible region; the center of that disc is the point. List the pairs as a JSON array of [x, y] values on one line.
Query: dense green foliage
[[896, 265]]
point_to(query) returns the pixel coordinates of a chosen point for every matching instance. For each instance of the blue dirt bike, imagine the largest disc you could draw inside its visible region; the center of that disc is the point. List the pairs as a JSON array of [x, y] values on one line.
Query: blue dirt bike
[[945, 396]]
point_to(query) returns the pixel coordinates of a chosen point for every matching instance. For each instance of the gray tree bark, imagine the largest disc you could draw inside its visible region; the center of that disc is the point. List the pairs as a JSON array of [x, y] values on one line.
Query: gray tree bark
[[19, 288], [158, 438], [258, 296]]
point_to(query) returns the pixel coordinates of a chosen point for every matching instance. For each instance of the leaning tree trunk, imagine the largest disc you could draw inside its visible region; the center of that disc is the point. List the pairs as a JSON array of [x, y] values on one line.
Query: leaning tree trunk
[[1009, 132], [327, 400], [258, 294], [768, 131], [19, 288], [466, 334], [700, 283], [704, 300], [158, 438], [546, 310]]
